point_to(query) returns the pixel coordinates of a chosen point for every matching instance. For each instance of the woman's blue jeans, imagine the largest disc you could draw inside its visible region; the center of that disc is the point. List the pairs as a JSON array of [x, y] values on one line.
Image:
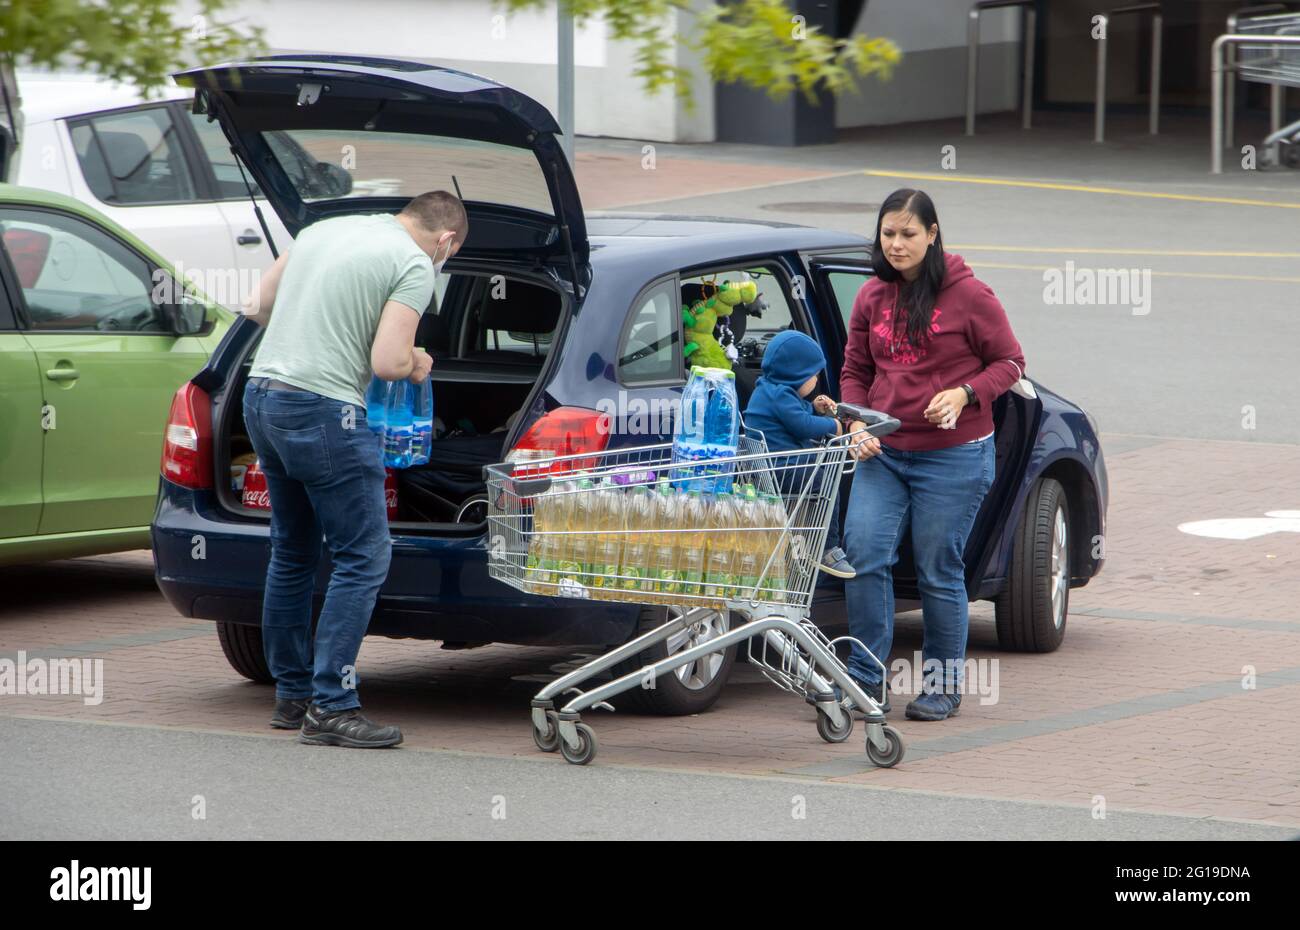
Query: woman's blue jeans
[[325, 474], [938, 493]]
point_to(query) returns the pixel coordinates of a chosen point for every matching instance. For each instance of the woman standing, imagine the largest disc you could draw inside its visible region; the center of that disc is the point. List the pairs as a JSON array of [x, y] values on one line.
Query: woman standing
[[929, 344]]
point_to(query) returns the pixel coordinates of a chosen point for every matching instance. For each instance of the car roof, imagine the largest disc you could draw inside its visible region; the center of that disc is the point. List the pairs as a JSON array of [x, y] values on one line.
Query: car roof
[[48, 96], [670, 241]]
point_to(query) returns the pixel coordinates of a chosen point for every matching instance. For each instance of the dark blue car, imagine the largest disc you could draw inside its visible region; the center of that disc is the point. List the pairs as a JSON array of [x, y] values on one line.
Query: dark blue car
[[553, 332]]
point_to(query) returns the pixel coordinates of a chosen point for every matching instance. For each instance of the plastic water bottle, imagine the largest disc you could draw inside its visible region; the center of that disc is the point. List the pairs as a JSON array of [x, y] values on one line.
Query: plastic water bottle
[[722, 429], [399, 425], [377, 403], [422, 421], [688, 439]]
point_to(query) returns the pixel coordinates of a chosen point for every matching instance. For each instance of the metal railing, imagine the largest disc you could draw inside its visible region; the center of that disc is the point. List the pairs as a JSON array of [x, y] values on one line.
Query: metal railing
[[1230, 63], [1030, 21], [1283, 49], [1157, 26]]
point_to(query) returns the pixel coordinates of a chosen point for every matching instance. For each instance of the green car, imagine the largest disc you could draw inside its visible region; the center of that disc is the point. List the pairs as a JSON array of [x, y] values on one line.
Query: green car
[[97, 333]]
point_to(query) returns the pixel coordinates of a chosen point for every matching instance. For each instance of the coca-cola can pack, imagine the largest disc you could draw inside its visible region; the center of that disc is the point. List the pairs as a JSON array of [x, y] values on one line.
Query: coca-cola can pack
[[257, 497]]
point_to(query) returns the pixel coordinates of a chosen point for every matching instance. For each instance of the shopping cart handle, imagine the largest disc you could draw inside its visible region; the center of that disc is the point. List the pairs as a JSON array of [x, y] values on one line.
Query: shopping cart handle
[[522, 487], [878, 424], [530, 487]]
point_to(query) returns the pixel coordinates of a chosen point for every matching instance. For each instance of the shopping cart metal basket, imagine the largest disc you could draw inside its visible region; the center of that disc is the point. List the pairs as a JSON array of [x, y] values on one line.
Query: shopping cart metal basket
[[742, 533]]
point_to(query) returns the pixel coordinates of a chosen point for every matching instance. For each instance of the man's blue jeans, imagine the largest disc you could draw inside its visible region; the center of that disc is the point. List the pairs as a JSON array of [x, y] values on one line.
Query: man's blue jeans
[[939, 492], [325, 475]]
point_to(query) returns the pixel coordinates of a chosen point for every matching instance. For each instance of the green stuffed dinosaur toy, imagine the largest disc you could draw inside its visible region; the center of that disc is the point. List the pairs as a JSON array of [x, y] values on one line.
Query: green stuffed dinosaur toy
[[700, 319]]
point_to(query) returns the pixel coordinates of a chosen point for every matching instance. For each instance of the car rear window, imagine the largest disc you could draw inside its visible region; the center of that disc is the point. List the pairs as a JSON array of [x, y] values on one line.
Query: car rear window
[[400, 164]]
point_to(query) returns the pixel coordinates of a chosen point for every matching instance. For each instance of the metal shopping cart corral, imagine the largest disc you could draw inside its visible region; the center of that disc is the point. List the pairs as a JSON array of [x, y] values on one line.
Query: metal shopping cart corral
[[780, 544], [1263, 49]]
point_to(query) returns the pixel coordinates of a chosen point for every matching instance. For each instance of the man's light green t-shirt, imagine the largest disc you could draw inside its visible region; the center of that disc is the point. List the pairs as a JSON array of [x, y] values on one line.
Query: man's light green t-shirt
[[332, 292]]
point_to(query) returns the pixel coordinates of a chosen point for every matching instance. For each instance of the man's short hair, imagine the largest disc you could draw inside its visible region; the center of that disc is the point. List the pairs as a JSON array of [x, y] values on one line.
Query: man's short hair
[[438, 210]]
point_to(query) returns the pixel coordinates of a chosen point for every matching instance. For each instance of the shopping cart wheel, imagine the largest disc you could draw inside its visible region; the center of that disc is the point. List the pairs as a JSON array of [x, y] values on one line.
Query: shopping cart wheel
[[548, 741], [586, 750], [831, 733], [892, 755]]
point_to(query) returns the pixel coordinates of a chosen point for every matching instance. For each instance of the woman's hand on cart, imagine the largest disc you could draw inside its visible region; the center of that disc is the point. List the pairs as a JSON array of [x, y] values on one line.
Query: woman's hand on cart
[[863, 446]]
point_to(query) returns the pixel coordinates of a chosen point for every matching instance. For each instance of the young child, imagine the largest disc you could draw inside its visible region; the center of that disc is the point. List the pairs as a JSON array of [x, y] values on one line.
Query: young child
[[779, 407]]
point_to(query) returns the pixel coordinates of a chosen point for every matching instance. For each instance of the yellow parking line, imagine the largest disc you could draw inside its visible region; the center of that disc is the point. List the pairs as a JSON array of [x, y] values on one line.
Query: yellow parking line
[[1170, 252], [1081, 188], [1158, 274]]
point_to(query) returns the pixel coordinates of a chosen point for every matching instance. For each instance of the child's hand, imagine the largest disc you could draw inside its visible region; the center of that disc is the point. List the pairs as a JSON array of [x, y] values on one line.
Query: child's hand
[[823, 404]]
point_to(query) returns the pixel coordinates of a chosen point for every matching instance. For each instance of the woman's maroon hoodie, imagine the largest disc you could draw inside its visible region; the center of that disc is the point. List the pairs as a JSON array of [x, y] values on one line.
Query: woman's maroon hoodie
[[970, 342]]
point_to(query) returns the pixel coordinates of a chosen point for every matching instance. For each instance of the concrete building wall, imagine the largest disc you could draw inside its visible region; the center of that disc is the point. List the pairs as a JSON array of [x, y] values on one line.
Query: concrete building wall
[[930, 82], [474, 36], [520, 50]]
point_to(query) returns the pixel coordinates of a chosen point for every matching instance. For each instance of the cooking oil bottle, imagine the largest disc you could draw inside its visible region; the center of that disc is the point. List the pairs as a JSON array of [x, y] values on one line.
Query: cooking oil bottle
[[638, 521], [607, 544], [666, 540], [695, 520], [720, 552], [574, 555], [777, 581]]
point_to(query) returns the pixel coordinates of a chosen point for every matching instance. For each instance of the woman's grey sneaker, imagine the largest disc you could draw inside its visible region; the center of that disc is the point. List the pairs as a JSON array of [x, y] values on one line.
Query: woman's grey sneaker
[[289, 713], [835, 562], [345, 728]]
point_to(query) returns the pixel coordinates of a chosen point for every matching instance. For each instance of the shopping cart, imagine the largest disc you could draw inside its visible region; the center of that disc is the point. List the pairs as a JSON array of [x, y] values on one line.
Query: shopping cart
[[775, 547]]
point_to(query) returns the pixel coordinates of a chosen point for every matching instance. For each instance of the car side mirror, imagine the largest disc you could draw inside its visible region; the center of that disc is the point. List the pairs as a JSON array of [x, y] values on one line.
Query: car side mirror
[[331, 180], [188, 318]]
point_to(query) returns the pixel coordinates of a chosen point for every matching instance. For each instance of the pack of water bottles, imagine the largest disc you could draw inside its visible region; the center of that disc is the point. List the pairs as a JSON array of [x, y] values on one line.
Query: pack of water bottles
[[708, 431], [402, 413]]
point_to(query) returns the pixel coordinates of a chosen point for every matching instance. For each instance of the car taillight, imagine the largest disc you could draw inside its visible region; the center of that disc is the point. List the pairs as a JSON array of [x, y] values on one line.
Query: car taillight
[[563, 431], [187, 443]]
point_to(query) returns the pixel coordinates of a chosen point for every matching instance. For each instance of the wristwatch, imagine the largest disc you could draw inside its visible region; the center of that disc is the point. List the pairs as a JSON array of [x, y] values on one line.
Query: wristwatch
[[971, 399]]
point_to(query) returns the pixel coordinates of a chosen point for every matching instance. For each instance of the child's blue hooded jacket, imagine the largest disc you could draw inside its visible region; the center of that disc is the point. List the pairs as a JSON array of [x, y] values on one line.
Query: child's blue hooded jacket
[[786, 419]]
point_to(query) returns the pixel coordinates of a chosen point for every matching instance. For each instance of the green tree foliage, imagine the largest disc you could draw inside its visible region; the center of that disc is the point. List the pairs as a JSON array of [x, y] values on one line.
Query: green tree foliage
[[758, 43], [133, 41]]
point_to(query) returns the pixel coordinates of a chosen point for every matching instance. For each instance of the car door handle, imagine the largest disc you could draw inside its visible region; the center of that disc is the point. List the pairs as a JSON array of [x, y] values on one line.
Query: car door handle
[[62, 374], [249, 239]]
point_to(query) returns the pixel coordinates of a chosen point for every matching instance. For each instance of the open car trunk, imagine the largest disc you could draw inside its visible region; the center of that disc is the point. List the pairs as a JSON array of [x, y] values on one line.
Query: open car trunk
[[490, 336]]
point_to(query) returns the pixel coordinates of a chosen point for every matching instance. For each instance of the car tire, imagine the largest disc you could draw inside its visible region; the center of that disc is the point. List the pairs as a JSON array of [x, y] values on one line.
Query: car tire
[[1033, 608], [689, 690], [242, 645]]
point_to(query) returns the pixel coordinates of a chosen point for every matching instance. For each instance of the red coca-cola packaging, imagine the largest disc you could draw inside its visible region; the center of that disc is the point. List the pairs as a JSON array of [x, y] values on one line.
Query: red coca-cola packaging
[[390, 493], [255, 494]]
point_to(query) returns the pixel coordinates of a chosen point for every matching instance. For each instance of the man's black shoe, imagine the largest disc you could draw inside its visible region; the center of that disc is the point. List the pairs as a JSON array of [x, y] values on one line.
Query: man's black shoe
[[934, 705], [289, 713], [345, 728]]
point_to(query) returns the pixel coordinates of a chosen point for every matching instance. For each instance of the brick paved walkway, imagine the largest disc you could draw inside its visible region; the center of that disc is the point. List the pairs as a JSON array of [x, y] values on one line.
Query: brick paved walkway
[[1144, 705]]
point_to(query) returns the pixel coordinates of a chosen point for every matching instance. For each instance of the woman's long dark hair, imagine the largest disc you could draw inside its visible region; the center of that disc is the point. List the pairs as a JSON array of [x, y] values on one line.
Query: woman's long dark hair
[[916, 298]]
